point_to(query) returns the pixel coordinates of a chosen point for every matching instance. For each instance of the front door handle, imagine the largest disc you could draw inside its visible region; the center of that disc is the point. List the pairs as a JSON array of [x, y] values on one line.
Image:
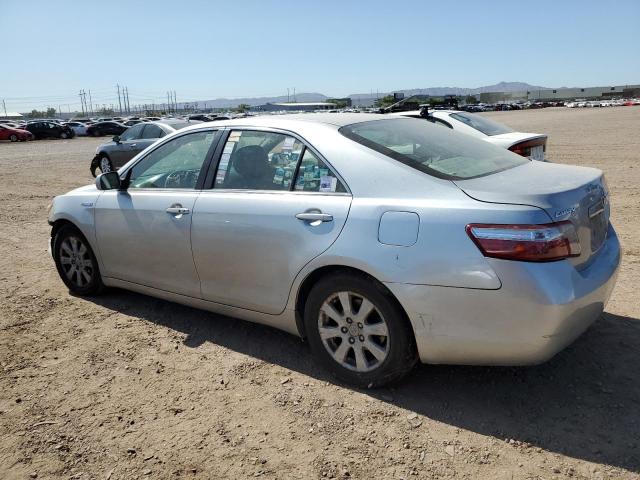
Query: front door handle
[[315, 217], [178, 210]]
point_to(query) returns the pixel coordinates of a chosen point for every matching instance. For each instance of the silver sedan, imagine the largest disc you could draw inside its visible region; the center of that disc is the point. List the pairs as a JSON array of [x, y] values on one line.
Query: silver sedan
[[382, 241]]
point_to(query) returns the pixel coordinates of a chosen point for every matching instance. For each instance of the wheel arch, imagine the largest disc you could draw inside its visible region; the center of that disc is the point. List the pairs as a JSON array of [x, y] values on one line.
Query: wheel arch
[[316, 275], [61, 222]]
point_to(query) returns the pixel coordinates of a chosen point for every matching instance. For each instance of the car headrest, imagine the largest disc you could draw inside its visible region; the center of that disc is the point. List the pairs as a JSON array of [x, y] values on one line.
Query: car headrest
[[251, 161]]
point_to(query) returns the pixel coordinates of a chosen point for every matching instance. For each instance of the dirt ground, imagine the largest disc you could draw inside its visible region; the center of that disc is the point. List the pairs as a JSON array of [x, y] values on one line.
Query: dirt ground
[[124, 386]]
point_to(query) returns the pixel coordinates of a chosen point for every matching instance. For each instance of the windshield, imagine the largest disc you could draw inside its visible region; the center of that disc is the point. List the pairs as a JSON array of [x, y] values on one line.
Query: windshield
[[484, 125], [431, 149]]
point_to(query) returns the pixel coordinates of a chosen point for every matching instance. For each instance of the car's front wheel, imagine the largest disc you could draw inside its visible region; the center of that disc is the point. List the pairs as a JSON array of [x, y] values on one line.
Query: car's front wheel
[[96, 133], [105, 164], [76, 262], [358, 332], [64, 135]]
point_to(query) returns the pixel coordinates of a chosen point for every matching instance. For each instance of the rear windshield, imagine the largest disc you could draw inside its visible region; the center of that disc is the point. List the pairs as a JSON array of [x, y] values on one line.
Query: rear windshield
[[431, 149], [484, 125]]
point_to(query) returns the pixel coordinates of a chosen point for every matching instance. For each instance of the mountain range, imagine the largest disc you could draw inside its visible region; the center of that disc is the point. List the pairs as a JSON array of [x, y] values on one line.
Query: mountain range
[[359, 97]]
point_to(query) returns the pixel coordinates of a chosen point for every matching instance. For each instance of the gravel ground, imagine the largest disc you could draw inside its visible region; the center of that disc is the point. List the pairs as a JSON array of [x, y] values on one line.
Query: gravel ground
[[125, 386]]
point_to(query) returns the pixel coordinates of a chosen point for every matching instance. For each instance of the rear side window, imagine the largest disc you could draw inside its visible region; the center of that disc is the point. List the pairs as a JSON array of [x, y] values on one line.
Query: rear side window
[[436, 151], [315, 176], [254, 160], [152, 131]]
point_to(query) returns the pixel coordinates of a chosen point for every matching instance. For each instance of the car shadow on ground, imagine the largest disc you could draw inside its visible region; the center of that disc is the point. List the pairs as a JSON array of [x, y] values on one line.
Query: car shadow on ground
[[584, 403]]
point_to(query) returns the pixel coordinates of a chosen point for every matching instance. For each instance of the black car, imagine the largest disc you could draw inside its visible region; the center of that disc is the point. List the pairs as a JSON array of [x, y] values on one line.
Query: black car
[[45, 129], [106, 128]]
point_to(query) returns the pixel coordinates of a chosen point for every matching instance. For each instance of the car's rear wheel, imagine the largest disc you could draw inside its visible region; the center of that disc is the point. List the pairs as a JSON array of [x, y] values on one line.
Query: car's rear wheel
[[76, 262], [96, 133], [105, 164], [357, 331], [13, 138], [64, 135]]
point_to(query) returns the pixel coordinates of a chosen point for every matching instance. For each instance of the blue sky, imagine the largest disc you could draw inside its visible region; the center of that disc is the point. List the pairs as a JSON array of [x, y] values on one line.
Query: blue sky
[[209, 49]]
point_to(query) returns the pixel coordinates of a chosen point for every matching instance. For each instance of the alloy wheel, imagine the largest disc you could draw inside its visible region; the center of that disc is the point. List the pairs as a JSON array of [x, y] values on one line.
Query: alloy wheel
[[353, 331], [105, 165], [76, 261]]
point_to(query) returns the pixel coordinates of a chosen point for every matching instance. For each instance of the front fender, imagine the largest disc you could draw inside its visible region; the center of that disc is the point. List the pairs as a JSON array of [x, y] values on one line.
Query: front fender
[[78, 208]]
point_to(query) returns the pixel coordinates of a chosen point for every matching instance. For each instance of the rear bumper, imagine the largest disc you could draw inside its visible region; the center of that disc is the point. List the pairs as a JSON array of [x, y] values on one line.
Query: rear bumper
[[540, 309]]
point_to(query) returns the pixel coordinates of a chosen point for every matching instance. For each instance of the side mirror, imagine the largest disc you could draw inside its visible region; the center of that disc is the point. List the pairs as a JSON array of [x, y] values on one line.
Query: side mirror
[[116, 138], [108, 181]]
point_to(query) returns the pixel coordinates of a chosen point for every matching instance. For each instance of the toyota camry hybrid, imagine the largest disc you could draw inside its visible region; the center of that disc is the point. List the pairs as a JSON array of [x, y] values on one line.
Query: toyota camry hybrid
[[381, 240]]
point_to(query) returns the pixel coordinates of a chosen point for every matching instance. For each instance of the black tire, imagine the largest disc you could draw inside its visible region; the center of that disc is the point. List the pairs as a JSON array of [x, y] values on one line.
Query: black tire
[[96, 133], [402, 353], [64, 135], [77, 283], [105, 162], [13, 138]]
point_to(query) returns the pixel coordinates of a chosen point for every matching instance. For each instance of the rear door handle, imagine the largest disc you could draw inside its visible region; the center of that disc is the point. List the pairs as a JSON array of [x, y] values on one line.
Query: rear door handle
[[177, 210], [315, 217]]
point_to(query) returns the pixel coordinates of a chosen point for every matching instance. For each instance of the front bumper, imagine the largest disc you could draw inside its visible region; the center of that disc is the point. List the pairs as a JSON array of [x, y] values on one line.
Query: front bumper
[[95, 163], [540, 309]]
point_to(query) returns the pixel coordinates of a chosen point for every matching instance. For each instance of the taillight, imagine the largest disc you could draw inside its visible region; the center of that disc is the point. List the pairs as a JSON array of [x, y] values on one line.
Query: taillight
[[529, 243], [524, 148]]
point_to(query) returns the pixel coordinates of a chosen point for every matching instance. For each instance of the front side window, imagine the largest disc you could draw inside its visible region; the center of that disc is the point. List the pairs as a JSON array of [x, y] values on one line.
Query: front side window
[[436, 151], [253, 160], [176, 164], [484, 125]]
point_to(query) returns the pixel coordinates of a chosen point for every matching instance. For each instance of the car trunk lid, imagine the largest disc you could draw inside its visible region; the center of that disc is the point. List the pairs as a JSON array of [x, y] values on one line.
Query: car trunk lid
[[565, 192]]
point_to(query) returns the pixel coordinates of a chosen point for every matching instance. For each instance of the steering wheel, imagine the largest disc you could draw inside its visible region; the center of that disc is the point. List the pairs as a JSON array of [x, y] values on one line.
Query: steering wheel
[[180, 179]]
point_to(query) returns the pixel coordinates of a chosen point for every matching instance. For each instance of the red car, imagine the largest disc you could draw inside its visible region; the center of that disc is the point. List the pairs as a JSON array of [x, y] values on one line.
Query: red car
[[14, 134]]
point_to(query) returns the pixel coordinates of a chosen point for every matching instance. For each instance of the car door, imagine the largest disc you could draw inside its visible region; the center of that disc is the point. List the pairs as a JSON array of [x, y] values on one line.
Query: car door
[[52, 131], [144, 232], [274, 205], [121, 153]]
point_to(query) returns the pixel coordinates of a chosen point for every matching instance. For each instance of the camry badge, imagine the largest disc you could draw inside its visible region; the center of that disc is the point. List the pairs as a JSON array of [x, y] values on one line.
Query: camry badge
[[567, 211]]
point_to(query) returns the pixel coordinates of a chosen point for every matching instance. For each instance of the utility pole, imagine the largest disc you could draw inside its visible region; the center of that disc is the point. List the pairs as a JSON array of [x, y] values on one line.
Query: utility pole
[[81, 103], [4, 105], [90, 103], [168, 102], [294, 95], [175, 100], [119, 101], [126, 100], [287, 94]]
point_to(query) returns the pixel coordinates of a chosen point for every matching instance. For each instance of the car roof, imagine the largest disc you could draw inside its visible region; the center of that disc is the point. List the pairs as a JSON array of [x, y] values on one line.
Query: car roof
[[335, 120]]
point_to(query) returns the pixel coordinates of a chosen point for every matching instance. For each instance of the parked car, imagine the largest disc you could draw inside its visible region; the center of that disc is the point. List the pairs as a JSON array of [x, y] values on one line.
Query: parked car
[[77, 127], [114, 154], [101, 129], [381, 240], [203, 117], [531, 145], [49, 129], [14, 134]]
